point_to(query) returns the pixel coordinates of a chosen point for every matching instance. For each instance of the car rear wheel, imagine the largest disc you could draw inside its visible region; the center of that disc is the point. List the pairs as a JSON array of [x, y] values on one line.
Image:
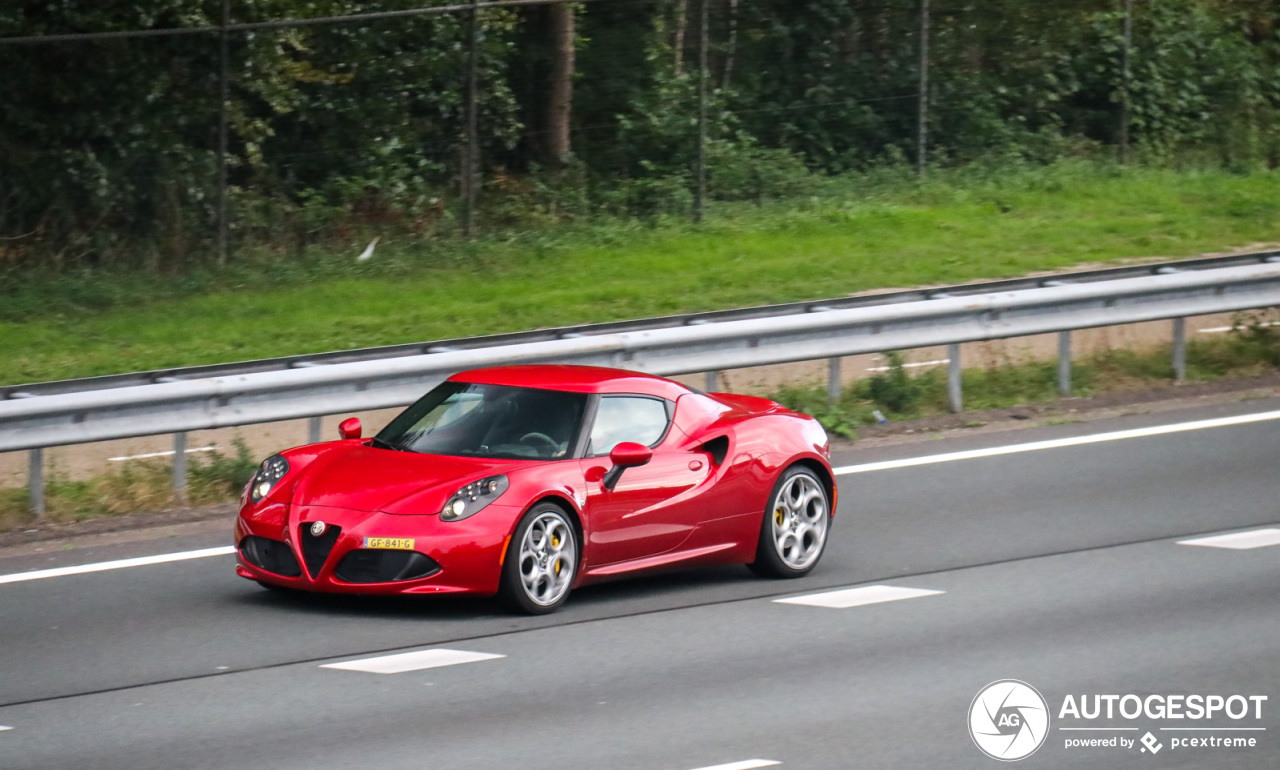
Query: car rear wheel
[[541, 561], [794, 531]]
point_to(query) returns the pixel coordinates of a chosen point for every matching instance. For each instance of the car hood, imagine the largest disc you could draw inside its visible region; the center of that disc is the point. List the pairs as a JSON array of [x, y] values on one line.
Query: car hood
[[364, 478]]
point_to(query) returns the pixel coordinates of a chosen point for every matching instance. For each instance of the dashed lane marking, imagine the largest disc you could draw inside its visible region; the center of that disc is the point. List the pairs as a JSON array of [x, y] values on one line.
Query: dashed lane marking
[[412, 661], [103, 566], [1238, 541], [1032, 446], [746, 764], [856, 597]]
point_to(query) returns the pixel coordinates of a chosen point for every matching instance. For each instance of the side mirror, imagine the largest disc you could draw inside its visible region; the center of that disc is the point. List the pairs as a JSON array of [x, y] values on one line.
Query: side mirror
[[350, 428], [628, 454]]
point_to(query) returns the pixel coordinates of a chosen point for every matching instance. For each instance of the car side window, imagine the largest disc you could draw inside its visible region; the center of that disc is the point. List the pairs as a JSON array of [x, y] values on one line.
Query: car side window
[[627, 418]]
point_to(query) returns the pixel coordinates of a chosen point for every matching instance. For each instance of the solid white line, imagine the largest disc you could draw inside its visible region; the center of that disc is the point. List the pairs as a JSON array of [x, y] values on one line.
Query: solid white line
[[856, 597], [103, 566], [909, 366], [1239, 541], [158, 454], [1107, 729], [1217, 329], [1096, 438], [746, 764], [412, 661]]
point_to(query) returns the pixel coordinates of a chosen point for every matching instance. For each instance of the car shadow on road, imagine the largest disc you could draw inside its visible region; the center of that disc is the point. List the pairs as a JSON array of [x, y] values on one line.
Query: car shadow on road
[[614, 598]]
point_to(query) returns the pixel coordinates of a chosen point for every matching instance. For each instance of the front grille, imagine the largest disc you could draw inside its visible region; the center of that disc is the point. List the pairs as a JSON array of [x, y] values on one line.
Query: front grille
[[270, 555], [369, 565], [316, 549]]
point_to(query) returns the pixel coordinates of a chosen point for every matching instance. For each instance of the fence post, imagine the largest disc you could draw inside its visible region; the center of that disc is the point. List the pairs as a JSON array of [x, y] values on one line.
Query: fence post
[[35, 481], [471, 151], [223, 94], [700, 193], [953, 377], [923, 99], [833, 380], [313, 430], [1179, 349], [180, 467], [712, 382], [1064, 364]]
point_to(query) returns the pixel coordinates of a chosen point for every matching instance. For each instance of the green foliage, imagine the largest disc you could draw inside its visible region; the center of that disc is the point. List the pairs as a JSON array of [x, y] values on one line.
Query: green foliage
[[339, 132]]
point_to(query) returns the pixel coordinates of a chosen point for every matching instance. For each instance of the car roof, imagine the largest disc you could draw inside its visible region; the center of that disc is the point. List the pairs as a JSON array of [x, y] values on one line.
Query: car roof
[[575, 379]]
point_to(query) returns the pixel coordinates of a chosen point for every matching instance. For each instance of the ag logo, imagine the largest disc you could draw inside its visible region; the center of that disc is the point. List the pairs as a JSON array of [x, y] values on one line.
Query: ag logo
[[1008, 720]]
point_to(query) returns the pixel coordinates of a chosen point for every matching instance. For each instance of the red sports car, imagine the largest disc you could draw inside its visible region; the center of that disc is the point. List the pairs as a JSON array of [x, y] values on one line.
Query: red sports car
[[526, 481]]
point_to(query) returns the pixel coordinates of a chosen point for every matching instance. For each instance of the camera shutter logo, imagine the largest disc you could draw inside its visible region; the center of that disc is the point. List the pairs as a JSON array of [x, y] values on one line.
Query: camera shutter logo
[[1008, 720]]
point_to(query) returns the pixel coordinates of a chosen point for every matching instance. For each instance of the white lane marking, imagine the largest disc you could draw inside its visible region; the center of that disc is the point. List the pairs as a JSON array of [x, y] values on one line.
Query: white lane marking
[[856, 597], [412, 661], [746, 764], [911, 365], [1239, 541], [1032, 446], [122, 458], [1220, 329], [103, 566]]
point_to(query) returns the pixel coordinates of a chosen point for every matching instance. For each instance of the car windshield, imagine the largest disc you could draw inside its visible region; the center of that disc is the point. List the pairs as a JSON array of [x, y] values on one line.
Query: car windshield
[[497, 421]]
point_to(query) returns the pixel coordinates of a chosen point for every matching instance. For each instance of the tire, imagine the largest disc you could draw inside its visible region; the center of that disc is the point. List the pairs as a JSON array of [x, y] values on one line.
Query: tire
[[793, 531], [541, 561]]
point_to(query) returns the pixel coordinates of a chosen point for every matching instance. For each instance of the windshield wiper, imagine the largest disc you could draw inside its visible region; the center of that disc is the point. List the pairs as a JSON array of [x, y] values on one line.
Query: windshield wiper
[[378, 442]]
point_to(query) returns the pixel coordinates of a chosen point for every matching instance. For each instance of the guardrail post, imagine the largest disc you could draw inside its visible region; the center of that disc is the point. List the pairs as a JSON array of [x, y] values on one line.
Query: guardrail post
[[35, 481], [1179, 349], [712, 383], [953, 377], [833, 380], [1064, 364], [180, 467], [313, 430]]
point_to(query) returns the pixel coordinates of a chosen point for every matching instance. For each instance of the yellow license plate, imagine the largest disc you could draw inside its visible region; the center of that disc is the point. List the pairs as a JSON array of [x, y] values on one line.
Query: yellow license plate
[[392, 543]]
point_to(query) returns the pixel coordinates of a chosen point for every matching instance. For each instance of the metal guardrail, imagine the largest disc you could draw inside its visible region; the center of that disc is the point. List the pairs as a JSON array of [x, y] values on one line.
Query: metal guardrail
[[37, 422], [613, 327]]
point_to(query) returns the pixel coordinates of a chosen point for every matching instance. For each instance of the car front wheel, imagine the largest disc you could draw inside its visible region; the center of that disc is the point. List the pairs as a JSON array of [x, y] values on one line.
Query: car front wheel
[[541, 561]]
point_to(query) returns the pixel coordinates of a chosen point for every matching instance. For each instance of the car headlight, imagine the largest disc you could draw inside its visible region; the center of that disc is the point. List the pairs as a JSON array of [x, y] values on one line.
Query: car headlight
[[472, 498], [269, 474]]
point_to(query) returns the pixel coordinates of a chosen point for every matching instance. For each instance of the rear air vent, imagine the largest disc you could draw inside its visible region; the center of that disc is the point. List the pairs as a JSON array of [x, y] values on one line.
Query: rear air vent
[[270, 555], [315, 550], [717, 447]]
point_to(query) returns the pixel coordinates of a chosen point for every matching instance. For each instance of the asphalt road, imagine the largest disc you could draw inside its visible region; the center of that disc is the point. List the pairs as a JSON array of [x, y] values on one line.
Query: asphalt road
[[1059, 567]]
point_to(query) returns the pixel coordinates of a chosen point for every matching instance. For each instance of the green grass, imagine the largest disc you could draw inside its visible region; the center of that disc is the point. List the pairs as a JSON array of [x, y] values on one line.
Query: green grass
[[854, 234], [1251, 349]]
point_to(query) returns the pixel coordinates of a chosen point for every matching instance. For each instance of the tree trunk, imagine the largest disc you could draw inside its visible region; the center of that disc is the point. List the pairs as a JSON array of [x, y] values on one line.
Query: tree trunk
[[682, 24], [560, 104], [732, 47]]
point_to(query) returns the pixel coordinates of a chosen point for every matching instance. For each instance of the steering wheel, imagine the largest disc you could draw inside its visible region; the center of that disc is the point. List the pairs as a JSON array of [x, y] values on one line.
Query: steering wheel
[[540, 440]]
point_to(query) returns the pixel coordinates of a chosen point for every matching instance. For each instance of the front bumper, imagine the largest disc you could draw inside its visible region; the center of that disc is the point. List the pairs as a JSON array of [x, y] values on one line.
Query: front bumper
[[274, 545]]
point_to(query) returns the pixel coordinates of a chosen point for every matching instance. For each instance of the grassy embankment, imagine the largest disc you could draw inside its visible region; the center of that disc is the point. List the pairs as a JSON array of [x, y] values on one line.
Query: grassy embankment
[[859, 233]]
